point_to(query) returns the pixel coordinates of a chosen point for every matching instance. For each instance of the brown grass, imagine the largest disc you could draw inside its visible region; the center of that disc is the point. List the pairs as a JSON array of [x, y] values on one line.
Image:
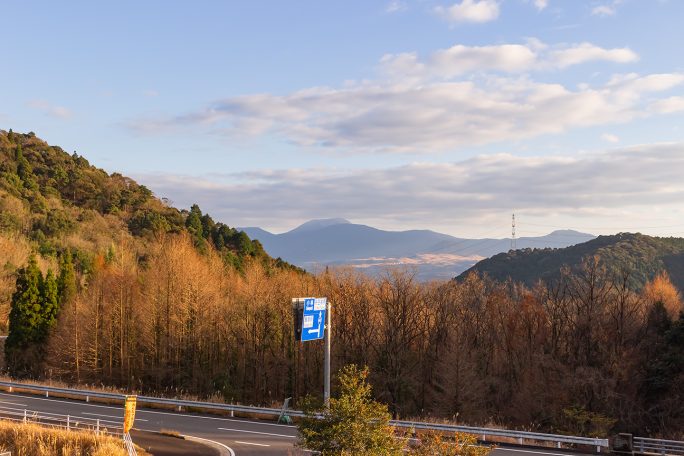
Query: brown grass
[[34, 440], [170, 433]]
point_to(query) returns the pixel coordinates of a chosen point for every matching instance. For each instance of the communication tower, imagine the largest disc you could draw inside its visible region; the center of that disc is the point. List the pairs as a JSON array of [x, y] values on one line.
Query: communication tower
[[513, 233]]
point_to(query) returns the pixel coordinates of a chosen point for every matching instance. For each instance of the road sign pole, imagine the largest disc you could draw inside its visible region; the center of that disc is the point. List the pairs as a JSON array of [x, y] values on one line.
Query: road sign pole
[[326, 369]]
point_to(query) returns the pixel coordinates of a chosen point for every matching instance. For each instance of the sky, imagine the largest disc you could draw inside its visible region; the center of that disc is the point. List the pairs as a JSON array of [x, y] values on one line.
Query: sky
[[401, 114]]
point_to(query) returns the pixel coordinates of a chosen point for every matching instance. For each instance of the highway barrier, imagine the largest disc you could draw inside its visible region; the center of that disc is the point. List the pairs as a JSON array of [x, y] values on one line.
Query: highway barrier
[[657, 446], [644, 445]]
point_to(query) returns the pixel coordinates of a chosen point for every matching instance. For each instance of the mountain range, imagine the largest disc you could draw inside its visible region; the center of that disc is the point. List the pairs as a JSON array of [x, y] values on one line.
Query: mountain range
[[333, 242]]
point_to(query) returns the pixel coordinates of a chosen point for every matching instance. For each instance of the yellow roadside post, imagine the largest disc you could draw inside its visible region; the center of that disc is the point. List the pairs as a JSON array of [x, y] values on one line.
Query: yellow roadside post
[[129, 413]]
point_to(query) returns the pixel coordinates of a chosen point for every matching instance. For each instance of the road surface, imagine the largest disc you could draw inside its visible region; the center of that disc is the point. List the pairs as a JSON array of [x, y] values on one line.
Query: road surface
[[239, 437]]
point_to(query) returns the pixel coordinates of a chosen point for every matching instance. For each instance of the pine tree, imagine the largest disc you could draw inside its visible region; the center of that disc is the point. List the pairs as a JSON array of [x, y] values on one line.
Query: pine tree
[[352, 424], [194, 221], [66, 283], [24, 320], [49, 294]]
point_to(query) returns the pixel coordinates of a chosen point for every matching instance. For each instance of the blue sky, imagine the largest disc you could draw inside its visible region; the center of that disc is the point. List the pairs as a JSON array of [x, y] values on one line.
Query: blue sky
[[447, 115]]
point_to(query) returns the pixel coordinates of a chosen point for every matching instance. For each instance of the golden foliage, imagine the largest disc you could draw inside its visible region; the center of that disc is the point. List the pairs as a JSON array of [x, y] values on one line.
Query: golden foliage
[[661, 289], [437, 444]]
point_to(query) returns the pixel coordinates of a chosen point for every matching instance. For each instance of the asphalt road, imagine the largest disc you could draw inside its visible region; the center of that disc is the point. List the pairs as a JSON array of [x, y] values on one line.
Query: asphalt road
[[234, 436]]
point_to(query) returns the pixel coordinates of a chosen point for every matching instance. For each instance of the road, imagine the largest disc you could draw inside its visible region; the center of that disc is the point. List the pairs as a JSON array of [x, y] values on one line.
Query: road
[[236, 436]]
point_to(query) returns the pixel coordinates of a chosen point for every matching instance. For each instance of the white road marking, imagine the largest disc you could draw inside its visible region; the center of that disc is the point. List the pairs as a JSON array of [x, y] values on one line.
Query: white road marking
[[230, 450], [109, 416], [252, 443], [13, 403], [251, 422], [260, 433]]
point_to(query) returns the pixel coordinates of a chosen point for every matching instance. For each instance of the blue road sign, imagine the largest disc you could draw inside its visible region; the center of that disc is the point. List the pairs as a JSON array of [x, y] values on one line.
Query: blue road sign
[[313, 321]]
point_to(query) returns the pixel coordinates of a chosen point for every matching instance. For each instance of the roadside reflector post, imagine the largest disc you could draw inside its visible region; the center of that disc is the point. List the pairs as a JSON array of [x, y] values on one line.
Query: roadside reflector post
[[68, 423], [24, 415], [47, 394], [129, 413], [97, 427]]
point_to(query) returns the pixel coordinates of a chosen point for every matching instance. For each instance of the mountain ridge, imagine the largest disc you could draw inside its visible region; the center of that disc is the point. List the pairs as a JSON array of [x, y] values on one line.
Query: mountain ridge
[[327, 242], [642, 255]]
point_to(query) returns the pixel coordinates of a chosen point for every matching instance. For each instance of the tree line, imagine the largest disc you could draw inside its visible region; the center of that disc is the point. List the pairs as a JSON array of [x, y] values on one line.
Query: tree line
[[585, 354]]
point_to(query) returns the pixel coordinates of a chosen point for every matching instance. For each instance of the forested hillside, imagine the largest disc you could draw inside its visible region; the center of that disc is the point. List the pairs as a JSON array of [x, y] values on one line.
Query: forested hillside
[[52, 202], [643, 256], [107, 285]]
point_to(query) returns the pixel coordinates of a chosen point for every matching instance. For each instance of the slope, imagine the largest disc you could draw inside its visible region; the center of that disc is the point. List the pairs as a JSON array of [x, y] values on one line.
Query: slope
[[644, 256], [51, 201]]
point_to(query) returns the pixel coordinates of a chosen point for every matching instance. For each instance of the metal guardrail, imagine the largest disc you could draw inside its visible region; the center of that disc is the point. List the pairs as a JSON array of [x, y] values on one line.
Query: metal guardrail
[[68, 422], [657, 446], [520, 436]]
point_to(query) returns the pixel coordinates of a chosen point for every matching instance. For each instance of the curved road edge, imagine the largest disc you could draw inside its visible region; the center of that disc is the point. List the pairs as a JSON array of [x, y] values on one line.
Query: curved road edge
[[224, 449]]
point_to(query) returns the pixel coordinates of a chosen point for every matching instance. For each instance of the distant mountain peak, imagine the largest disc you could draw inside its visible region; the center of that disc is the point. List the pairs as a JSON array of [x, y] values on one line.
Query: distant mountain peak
[[318, 224]]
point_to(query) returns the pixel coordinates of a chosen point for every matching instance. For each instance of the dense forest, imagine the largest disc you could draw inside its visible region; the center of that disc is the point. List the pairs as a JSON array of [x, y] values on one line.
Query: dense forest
[[103, 283], [644, 256]]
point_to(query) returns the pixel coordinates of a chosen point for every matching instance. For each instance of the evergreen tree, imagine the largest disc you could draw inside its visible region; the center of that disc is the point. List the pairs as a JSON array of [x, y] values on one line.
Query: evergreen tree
[[24, 320], [352, 424], [194, 221], [49, 294], [66, 283]]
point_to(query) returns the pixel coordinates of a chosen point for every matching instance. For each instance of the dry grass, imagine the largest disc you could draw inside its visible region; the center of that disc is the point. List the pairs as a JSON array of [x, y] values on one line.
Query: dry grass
[[34, 440], [170, 433]]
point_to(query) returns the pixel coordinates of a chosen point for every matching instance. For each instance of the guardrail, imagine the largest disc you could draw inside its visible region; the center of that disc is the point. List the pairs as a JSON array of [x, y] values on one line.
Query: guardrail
[[521, 437], [657, 446]]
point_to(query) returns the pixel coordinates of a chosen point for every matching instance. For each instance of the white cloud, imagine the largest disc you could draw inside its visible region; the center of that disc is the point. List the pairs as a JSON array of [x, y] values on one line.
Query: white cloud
[[470, 11], [507, 58], [617, 184], [603, 10], [396, 6], [541, 4], [611, 138], [429, 117], [607, 9], [668, 105], [587, 52], [452, 99], [59, 112]]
